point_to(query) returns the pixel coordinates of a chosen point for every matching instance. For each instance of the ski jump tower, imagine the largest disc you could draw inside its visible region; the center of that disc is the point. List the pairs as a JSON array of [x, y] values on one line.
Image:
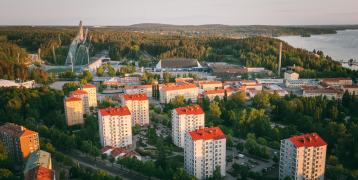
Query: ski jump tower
[[78, 53]]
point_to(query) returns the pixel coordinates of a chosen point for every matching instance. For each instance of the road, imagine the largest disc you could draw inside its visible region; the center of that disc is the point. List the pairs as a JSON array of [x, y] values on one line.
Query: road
[[114, 170]]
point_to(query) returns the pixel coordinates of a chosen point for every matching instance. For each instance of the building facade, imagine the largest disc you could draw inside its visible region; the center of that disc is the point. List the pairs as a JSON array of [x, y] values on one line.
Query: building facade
[[204, 151], [115, 126], [138, 105], [142, 89], [37, 163], [169, 91], [291, 75], [303, 157], [73, 110], [209, 85], [185, 119], [92, 94], [83, 95], [19, 141]]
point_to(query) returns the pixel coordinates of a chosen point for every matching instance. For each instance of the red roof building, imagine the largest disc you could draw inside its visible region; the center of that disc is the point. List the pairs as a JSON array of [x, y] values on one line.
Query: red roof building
[[173, 87], [213, 133], [116, 111], [88, 86], [78, 92], [135, 97], [71, 98], [40, 173], [195, 109], [308, 140]]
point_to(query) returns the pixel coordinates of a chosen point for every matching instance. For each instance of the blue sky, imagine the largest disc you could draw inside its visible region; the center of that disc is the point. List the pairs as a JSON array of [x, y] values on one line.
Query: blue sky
[[126, 12]]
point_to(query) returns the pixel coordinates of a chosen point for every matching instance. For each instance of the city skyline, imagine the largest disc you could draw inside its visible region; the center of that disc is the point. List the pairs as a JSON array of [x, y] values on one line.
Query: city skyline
[[229, 12]]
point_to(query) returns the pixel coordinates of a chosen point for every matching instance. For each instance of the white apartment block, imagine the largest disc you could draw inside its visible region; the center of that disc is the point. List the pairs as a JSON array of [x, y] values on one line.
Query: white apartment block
[[141, 89], [303, 157], [83, 95], [185, 119], [138, 105], [204, 151], [169, 91], [115, 126], [92, 94]]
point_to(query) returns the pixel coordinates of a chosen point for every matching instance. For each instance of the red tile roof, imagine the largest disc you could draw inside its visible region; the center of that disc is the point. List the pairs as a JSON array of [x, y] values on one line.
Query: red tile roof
[[78, 92], [214, 133], [336, 79], [88, 86], [139, 87], [195, 109], [118, 151], [39, 173], [209, 82], [71, 98], [116, 111], [106, 148], [16, 130], [308, 140], [217, 91], [172, 87], [138, 97]]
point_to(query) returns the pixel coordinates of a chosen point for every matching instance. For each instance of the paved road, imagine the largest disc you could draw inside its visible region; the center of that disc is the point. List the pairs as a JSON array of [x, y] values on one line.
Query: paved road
[[107, 167]]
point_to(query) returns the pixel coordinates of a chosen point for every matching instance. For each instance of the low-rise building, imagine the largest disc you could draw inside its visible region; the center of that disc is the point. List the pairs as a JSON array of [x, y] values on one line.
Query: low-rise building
[[115, 126], [185, 119], [220, 93], [301, 82], [336, 82], [92, 94], [209, 85], [291, 75], [177, 64], [73, 110], [204, 151], [19, 142], [138, 105], [170, 91], [329, 93], [11, 83], [351, 89], [38, 159], [303, 157]]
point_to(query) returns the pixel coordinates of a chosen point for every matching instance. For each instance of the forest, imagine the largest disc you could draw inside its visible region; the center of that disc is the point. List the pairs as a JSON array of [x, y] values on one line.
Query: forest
[[250, 52]]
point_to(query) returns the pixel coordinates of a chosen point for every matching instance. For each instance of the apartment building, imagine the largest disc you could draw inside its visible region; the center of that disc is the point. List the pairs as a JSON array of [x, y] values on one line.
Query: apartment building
[[83, 95], [73, 110], [92, 94], [209, 85], [329, 93], [19, 142], [303, 157], [115, 126], [141, 89], [169, 91], [39, 166], [336, 81], [185, 119], [138, 105], [204, 151]]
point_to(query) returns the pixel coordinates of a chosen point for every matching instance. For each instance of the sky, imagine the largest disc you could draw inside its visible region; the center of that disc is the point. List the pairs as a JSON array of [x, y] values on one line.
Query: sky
[[181, 12]]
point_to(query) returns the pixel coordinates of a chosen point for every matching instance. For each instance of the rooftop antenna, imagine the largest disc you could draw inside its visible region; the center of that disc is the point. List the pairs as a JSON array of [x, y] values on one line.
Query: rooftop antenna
[[279, 60]]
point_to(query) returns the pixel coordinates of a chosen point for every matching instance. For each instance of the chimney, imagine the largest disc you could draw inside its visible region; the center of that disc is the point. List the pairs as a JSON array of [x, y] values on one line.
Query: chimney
[[279, 60]]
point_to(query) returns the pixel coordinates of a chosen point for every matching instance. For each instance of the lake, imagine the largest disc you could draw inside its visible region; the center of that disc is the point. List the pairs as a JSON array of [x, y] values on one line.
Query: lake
[[340, 46]]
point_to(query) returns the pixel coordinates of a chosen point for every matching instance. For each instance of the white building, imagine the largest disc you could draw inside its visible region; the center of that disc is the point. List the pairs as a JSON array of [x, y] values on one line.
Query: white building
[[185, 119], [138, 105], [169, 91], [141, 89], [92, 94], [303, 157], [329, 93], [209, 85], [291, 75], [115, 127], [11, 83], [204, 151], [301, 82]]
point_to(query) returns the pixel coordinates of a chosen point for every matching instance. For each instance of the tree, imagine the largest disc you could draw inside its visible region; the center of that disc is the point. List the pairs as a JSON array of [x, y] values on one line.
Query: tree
[[215, 110], [70, 86], [180, 174], [100, 71], [217, 173], [261, 100]]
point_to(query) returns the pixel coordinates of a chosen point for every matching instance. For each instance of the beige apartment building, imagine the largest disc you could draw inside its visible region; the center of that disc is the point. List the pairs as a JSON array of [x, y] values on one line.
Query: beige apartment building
[[138, 105], [303, 157], [169, 91], [92, 94], [185, 119], [83, 95], [204, 151], [73, 110]]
